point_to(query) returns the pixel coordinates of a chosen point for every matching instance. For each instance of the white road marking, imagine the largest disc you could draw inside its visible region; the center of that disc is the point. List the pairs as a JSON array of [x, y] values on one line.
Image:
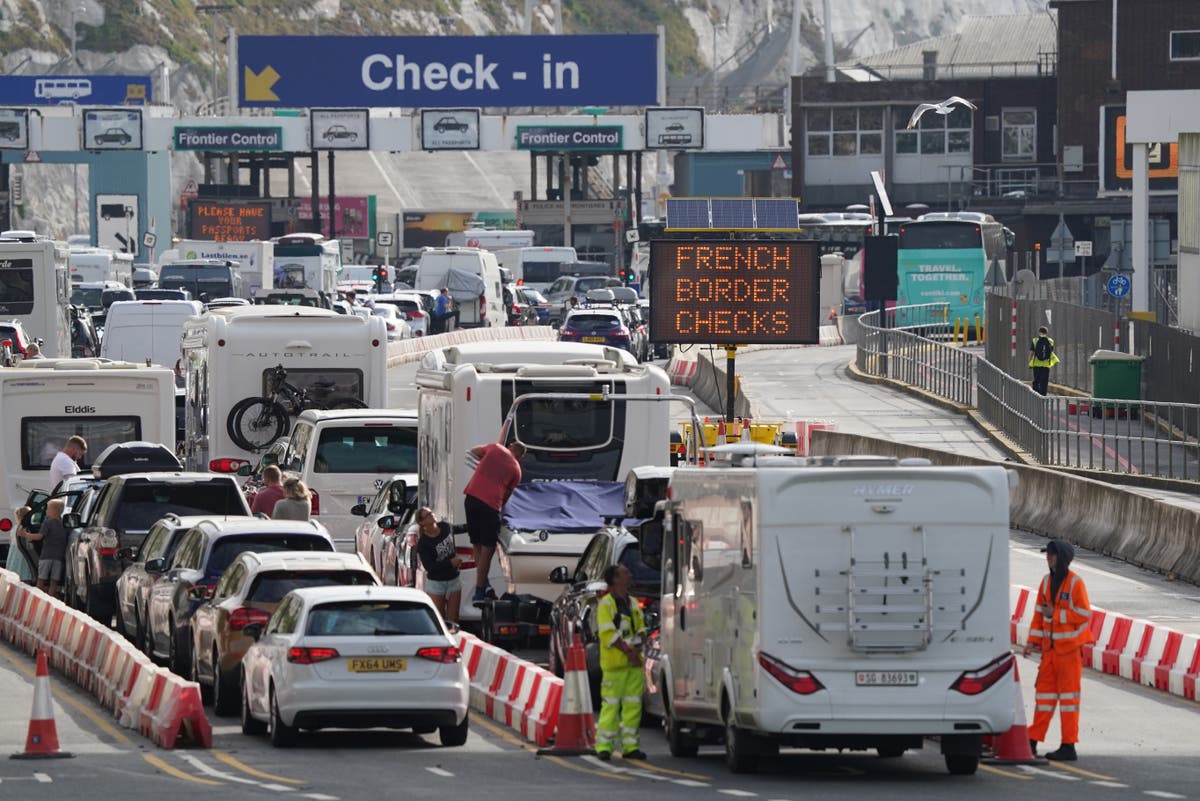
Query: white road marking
[[279, 788], [486, 178], [321, 797], [440, 772], [1163, 794], [1083, 569], [689, 783], [1054, 774], [386, 179], [1114, 785], [199, 765], [43, 778], [738, 793]]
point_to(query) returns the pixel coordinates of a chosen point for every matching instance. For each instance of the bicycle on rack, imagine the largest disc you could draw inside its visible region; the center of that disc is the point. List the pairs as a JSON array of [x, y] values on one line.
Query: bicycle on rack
[[254, 423]]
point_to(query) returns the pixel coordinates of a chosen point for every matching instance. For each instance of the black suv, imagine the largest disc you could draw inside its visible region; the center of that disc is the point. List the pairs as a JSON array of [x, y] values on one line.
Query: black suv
[[124, 510]]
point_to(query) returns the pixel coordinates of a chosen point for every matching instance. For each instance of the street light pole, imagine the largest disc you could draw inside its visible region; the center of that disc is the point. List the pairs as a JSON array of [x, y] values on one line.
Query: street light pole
[[213, 9]]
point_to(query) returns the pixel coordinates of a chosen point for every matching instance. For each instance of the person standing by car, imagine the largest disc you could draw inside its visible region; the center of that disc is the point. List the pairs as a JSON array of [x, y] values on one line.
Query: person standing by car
[[436, 550], [296, 503], [496, 476], [271, 493], [66, 461], [53, 536], [620, 629], [444, 311]]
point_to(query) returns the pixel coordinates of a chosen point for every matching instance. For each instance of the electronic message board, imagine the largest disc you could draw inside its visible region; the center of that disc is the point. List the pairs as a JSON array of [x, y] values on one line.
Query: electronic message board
[[225, 221], [734, 293]]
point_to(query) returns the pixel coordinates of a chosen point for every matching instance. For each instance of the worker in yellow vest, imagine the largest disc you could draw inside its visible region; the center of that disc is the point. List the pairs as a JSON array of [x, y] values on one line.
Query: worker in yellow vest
[[1041, 358], [621, 630]]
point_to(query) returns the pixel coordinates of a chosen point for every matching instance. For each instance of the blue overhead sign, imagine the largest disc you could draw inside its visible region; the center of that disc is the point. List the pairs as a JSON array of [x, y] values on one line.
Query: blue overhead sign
[[447, 71], [81, 90]]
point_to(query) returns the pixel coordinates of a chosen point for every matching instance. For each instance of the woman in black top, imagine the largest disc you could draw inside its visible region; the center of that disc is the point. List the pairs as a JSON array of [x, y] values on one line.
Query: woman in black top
[[435, 547]]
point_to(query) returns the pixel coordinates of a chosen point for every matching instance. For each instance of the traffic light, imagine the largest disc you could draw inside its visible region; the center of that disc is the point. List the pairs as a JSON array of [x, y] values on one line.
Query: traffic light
[[626, 276], [379, 276]]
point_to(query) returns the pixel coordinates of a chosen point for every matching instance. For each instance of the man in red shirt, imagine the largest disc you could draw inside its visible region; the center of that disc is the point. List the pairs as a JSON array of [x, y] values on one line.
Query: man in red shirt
[[496, 476], [272, 491]]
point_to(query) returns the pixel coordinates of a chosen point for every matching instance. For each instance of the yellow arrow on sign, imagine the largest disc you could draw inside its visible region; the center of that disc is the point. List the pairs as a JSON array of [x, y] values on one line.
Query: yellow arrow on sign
[[258, 86]]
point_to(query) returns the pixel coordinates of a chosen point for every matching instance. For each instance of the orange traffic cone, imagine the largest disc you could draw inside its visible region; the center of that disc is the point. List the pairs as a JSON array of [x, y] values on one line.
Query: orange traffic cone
[[42, 741], [576, 733], [1012, 747]]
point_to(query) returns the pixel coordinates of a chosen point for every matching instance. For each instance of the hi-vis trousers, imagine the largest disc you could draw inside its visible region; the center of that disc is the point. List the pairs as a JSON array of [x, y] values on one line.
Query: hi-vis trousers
[[1058, 679], [620, 709]]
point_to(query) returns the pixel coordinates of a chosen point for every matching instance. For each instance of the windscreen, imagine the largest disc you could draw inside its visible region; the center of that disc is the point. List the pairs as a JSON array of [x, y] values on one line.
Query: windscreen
[[542, 272], [144, 503], [367, 449], [86, 297], [593, 323], [213, 281], [43, 437], [372, 618], [645, 578], [226, 549], [940, 236], [269, 588]]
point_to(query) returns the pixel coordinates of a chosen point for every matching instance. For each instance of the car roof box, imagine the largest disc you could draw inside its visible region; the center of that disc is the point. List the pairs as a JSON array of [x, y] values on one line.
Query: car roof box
[[134, 457]]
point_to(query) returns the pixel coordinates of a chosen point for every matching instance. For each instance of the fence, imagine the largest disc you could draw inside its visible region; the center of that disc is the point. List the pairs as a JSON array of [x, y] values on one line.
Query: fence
[[1123, 436]]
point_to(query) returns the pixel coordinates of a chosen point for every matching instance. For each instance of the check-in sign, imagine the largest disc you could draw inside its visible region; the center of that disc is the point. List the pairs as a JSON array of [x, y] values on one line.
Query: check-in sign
[[448, 71]]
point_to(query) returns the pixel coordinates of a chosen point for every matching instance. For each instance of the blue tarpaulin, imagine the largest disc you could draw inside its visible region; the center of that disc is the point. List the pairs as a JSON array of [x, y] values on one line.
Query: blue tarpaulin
[[564, 505]]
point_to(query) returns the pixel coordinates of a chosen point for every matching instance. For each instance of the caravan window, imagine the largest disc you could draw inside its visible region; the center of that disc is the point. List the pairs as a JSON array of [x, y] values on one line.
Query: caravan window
[[43, 437], [16, 286], [541, 272], [320, 384]]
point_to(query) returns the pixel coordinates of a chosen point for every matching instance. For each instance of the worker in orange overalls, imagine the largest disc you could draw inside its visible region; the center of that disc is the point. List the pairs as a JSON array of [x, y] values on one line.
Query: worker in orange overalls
[[1060, 629]]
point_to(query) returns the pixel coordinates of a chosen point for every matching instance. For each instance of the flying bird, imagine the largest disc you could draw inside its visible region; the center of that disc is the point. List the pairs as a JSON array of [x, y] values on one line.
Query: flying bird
[[943, 108]]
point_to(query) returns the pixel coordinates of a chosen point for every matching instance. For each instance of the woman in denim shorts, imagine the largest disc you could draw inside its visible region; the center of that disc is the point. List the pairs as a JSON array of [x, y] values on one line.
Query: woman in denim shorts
[[436, 550]]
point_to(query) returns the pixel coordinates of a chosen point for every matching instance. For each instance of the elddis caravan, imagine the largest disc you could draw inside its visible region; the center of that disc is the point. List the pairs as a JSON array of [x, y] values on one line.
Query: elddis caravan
[[842, 602], [464, 394], [229, 354], [47, 401]]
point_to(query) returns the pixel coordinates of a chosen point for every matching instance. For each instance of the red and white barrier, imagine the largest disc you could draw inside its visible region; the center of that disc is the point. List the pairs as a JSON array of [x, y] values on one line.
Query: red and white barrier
[[1132, 648], [804, 431], [511, 691], [682, 367], [139, 694]]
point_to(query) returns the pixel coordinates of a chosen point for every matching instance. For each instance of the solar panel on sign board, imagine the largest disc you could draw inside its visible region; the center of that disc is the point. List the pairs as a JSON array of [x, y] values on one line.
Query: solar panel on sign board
[[779, 213], [687, 213], [732, 213]]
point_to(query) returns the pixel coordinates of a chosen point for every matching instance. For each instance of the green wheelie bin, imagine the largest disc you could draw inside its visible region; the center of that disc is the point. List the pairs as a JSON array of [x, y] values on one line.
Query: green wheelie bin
[[1116, 375]]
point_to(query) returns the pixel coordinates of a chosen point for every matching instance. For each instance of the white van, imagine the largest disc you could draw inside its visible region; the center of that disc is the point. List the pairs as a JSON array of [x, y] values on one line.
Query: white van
[[536, 268], [47, 401], [231, 354], [147, 331], [473, 278], [344, 456], [834, 602]]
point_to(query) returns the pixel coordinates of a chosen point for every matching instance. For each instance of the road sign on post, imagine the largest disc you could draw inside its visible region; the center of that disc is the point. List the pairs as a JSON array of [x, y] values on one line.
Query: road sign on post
[[1062, 244], [1118, 285], [1083, 247]]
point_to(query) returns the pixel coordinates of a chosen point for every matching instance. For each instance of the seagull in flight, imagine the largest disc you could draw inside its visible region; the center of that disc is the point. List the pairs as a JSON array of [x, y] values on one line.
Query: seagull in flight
[[943, 108]]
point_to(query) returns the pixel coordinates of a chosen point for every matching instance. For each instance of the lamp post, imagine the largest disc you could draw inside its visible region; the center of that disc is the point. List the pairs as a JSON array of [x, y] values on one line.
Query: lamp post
[[76, 10], [213, 9]]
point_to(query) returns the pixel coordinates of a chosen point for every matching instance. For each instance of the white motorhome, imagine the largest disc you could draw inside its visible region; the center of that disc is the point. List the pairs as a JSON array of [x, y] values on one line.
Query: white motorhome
[[100, 264], [473, 278], [536, 268], [490, 239], [35, 289], [251, 259], [229, 354], [304, 261], [47, 401], [463, 398], [839, 602]]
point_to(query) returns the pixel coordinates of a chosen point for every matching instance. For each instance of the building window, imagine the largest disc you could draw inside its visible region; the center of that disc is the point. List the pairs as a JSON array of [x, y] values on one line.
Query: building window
[[935, 135], [1185, 45], [843, 131], [1018, 134]]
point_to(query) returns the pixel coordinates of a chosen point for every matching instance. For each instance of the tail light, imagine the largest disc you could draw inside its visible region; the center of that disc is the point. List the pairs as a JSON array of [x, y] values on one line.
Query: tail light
[[468, 557], [482, 306], [315, 498], [798, 681], [973, 682], [200, 592], [311, 656], [240, 618], [415, 315], [440, 653], [107, 542], [6, 525], [225, 465]]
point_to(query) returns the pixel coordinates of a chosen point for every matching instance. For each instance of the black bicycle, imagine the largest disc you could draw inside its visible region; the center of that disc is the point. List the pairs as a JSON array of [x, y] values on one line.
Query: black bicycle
[[255, 423]]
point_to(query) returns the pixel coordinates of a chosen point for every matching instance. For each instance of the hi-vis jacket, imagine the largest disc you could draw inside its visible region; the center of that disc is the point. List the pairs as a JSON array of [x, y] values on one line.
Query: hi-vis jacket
[[1062, 623], [1034, 361], [631, 628]]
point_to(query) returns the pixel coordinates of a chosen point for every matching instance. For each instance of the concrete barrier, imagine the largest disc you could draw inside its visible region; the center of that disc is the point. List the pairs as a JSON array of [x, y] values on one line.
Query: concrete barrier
[[1136, 528], [411, 350]]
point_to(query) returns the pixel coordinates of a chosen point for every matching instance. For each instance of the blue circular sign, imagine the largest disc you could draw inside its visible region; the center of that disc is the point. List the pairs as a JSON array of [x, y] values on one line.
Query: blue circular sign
[[1118, 285]]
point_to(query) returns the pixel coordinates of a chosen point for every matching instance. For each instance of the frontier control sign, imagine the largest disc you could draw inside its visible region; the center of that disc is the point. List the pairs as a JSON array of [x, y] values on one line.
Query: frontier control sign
[[569, 137], [734, 293]]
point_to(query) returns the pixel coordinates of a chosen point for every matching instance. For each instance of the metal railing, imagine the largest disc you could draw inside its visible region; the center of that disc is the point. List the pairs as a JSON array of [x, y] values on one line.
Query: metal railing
[[1110, 435]]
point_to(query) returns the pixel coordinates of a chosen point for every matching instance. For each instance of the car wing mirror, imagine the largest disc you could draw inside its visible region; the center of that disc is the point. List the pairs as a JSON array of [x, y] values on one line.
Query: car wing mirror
[[155, 565], [253, 630], [560, 575], [386, 522], [71, 520], [359, 510]]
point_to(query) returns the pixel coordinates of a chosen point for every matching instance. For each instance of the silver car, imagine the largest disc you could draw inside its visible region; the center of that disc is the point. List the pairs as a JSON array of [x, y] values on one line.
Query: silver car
[[354, 657]]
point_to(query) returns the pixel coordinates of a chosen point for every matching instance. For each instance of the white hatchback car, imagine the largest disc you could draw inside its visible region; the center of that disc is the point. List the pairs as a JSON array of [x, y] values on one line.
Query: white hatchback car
[[354, 657]]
